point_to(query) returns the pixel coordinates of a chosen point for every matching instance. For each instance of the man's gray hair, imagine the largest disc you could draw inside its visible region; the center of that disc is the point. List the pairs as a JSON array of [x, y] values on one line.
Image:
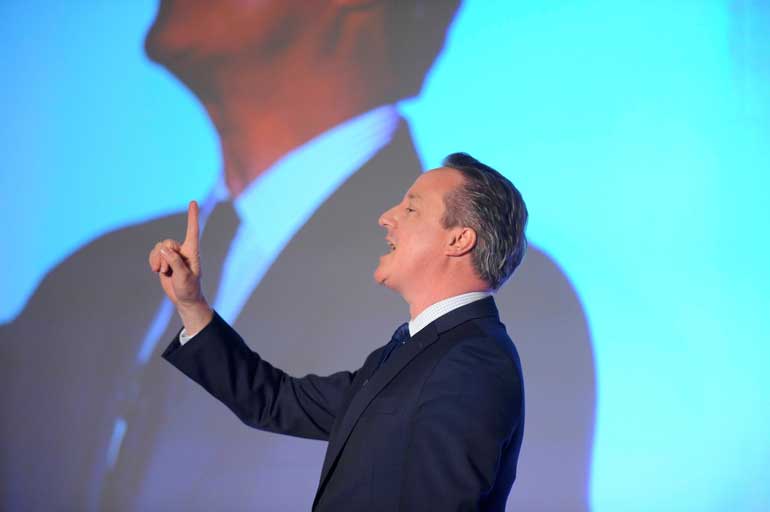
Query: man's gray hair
[[488, 203]]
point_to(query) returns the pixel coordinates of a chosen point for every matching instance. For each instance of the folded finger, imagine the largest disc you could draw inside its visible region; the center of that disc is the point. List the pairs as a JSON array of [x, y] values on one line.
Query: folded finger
[[154, 259]]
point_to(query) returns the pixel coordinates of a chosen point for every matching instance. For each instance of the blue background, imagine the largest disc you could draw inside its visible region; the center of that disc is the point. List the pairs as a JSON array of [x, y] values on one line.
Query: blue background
[[638, 132]]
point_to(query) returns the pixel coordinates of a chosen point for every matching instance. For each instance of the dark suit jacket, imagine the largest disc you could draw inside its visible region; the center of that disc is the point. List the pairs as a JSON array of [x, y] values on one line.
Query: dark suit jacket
[[64, 363], [437, 427]]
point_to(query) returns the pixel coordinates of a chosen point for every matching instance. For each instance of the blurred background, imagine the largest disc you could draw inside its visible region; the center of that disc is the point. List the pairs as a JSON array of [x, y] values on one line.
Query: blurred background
[[638, 133]]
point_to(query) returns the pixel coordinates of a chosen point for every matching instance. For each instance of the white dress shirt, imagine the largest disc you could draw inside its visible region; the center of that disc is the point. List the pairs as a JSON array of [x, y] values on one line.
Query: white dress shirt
[[443, 307]]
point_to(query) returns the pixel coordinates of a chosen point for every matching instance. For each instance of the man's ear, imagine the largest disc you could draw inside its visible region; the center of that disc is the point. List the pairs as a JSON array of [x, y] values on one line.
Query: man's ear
[[461, 241]]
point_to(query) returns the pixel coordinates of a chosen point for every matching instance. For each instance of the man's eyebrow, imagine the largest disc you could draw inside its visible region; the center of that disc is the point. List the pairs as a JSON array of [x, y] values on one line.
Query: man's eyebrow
[[411, 195]]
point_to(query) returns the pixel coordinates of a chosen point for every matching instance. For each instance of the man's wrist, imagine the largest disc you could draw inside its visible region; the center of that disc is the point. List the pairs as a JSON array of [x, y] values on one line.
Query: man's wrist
[[195, 316]]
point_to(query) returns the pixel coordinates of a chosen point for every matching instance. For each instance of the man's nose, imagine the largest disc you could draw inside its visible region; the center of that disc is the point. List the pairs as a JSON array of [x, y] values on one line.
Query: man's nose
[[386, 219]]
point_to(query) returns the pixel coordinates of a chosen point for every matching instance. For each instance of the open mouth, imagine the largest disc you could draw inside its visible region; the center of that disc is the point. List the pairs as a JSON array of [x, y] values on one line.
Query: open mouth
[[391, 246]]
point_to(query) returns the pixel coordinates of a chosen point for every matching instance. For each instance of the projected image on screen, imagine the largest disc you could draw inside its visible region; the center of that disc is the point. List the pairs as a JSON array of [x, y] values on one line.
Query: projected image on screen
[[313, 149]]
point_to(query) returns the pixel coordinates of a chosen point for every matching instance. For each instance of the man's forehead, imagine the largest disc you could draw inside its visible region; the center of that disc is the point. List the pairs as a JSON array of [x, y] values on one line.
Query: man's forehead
[[439, 178]]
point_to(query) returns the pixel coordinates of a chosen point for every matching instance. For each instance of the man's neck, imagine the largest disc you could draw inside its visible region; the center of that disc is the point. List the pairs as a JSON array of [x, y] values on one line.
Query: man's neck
[[259, 118]]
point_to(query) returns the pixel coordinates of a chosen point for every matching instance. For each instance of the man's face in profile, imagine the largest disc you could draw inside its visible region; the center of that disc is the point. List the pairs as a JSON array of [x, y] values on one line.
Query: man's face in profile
[[417, 239]]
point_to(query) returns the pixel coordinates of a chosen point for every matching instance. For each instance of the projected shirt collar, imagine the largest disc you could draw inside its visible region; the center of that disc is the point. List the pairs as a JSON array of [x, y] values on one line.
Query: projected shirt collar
[[281, 199]]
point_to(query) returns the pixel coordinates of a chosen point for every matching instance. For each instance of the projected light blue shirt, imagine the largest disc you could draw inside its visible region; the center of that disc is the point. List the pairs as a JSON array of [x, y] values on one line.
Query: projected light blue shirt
[[279, 202]]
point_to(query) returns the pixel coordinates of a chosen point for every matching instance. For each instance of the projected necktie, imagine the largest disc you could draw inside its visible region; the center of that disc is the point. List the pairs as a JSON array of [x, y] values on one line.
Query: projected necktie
[[145, 394]]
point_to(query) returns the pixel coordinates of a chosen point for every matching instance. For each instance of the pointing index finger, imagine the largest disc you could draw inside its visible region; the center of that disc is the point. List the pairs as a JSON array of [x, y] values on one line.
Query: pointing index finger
[[191, 238]]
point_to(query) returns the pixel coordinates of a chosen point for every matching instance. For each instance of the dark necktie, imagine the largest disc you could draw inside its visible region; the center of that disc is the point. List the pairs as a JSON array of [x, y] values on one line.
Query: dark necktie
[[400, 337], [215, 243], [144, 396]]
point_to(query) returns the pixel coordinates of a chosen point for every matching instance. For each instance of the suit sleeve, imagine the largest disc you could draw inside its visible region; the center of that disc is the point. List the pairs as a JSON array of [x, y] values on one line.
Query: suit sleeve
[[470, 408], [262, 396]]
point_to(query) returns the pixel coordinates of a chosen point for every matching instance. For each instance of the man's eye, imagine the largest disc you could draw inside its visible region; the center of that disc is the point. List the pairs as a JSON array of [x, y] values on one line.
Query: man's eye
[[409, 209]]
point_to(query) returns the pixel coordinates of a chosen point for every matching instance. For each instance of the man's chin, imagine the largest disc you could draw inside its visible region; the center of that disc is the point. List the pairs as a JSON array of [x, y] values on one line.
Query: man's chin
[[380, 277]]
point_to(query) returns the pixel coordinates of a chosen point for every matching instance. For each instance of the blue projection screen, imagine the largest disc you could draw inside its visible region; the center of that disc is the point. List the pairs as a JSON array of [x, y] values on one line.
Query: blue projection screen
[[638, 133]]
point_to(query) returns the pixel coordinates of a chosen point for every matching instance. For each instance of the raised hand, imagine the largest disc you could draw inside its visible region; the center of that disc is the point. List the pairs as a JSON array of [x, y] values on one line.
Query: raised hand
[[179, 269]]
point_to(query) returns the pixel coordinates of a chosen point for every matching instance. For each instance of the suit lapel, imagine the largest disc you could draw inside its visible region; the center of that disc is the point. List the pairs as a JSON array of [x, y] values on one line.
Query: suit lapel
[[388, 371], [370, 389]]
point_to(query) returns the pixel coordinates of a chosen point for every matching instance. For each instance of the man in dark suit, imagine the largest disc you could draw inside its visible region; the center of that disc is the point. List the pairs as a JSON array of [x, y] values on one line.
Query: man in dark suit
[[79, 371], [433, 420]]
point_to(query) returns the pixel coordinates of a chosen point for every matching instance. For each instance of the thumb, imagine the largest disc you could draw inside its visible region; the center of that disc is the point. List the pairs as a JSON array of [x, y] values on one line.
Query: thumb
[[175, 261]]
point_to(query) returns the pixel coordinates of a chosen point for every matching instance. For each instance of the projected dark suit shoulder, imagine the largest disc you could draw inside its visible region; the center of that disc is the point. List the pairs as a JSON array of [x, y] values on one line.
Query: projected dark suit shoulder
[[62, 358], [546, 321]]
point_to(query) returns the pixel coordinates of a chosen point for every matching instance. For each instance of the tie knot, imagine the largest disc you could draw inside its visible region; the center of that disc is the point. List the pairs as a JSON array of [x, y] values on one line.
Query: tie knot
[[402, 333], [222, 222], [399, 337]]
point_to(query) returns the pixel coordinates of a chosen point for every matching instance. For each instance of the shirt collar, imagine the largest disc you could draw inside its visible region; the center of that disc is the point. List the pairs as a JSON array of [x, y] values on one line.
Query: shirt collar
[[441, 308]]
